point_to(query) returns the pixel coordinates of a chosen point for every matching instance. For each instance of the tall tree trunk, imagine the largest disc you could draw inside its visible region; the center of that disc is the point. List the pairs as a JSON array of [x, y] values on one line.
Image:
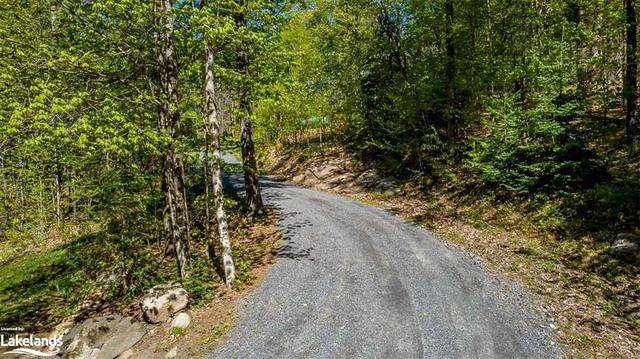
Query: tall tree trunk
[[450, 72], [630, 78], [52, 16], [249, 165], [490, 45], [520, 57], [176, 212], [213, 129], [57, 181]]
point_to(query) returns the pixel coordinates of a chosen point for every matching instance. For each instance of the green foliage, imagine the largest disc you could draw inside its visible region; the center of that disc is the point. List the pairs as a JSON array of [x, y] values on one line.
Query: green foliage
[[612, 206], [494, 88], [531, 150], [201, 283], [243, 274], [176, 331], [218, 331], [39, 288], [77, 112]]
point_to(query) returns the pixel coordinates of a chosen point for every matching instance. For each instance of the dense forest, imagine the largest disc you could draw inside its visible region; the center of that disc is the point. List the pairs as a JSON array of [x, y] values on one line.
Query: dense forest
[[526, 101], [115, 115], [500, 88]]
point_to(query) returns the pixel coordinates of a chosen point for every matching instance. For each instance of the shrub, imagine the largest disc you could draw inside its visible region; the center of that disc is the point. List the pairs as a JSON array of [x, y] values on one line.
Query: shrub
[[530, 149]]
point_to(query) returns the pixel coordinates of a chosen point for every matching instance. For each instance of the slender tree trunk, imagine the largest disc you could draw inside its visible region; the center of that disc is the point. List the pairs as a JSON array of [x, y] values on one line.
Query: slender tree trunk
[[630, 78], [52, 16], [23, 209], [583, 73], [57, 181], [450, 72], [490, 45], [213, 126], [249, 165], [41, 203], [176, 211]]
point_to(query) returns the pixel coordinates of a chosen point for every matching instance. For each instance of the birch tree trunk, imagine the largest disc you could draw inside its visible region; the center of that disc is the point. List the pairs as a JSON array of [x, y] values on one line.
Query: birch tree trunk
[[213, 129], [176, 214], [249, 165]]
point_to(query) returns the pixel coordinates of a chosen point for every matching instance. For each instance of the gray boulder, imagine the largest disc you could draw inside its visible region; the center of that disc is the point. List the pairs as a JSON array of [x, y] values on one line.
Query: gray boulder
[[102, 338], [163, 301], [126, 335], [630, 237], [626, 247]]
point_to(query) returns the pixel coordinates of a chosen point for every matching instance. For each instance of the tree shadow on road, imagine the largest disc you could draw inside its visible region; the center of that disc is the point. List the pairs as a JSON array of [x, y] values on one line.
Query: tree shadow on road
[[288, 249], [233, 184]]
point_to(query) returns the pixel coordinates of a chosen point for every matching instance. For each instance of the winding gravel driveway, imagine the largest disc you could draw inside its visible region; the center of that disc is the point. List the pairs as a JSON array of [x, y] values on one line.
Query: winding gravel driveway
[[353, 281]]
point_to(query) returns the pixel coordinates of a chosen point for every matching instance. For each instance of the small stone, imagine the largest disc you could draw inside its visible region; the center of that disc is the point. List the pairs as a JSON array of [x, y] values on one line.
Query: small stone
[[173, 353], [182, 320]]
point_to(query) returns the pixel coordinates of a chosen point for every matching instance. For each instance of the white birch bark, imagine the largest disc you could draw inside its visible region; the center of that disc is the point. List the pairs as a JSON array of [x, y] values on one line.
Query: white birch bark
[[213, 126]]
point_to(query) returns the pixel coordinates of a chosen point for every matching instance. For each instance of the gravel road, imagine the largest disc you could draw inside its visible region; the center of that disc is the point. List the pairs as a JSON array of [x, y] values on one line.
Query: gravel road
[[353, 281]]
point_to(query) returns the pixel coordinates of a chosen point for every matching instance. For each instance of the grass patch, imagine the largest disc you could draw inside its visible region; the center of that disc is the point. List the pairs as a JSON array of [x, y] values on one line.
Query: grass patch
[[40, 288], [218, 331], [177, 331], [45, 285], [108, 269]]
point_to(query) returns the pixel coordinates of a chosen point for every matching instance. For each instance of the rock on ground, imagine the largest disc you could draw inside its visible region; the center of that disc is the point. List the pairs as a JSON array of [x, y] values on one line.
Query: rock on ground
[[182, 320], [631, 237], [102, 338], [626, 247], [162, 301], [173, 353]]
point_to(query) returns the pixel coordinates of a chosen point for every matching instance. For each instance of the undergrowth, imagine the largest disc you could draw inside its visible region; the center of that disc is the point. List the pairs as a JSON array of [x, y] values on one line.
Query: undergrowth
[[107, 266]]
